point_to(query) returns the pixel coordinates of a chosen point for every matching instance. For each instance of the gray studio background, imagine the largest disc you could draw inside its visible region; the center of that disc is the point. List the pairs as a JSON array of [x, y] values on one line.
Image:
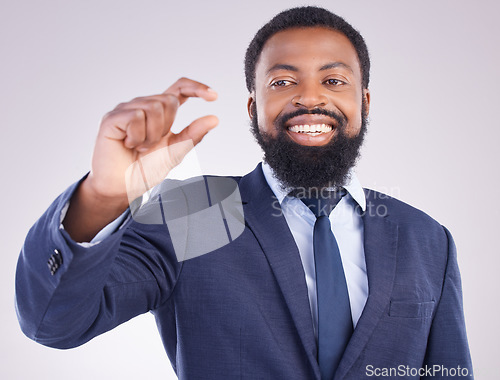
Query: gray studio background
[[433, 136]]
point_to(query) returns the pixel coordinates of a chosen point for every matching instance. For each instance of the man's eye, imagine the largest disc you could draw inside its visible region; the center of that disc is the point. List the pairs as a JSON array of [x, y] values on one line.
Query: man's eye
[[334, 82], [280, 83]]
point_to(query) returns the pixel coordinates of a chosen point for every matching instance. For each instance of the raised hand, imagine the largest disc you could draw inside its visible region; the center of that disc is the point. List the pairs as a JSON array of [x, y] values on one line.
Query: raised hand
[[135, 149]]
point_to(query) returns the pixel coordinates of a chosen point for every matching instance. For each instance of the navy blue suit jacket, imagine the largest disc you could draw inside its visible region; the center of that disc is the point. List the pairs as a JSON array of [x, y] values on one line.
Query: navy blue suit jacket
[[242, 311]]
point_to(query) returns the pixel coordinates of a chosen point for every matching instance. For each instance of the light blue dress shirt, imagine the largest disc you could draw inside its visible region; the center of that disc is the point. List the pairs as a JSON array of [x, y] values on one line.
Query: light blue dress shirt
[[347, 227]]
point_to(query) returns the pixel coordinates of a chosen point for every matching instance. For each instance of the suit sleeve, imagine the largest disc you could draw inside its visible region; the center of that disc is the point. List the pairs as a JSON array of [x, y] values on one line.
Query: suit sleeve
[[67, 294], [447, 348]]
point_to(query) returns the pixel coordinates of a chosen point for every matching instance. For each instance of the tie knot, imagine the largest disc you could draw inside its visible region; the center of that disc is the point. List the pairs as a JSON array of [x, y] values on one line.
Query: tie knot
[[325, 202]]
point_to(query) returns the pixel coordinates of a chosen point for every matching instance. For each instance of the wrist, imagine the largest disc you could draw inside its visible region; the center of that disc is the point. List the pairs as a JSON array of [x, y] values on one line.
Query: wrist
[[103, 202], [90, 211]]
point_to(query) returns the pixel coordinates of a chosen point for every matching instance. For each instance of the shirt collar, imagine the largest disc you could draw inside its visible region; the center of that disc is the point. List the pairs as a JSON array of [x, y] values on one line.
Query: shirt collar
[[353, 186]]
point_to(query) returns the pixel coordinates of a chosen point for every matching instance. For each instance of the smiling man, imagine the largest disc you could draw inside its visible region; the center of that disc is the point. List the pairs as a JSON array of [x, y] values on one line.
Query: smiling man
[[312, 101], [324, 280]]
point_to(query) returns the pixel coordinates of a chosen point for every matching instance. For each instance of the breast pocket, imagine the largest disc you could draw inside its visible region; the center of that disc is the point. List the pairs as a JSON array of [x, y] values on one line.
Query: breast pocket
[[405, 309]]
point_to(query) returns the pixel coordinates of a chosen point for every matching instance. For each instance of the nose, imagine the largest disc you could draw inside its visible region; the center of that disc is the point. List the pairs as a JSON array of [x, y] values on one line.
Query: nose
[[310, 96]]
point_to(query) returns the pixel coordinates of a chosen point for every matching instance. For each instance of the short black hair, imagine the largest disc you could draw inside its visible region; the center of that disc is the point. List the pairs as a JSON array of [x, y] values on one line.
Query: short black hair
[[303, 17]]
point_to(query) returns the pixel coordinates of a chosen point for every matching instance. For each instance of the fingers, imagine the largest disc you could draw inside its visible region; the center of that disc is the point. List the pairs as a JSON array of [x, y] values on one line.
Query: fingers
[[126, 125], [144, 122], [186, 88], [158, 114]]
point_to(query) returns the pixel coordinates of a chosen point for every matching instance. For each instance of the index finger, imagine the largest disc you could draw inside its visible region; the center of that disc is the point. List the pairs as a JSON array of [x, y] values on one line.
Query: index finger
[[185, 88]]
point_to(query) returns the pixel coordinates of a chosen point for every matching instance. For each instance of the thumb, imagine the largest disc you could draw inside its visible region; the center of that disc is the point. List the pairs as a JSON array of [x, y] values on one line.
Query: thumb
[[196, 130]]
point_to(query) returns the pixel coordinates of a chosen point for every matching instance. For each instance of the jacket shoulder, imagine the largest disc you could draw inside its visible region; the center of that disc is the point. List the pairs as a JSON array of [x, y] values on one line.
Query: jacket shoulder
[[399, 211]]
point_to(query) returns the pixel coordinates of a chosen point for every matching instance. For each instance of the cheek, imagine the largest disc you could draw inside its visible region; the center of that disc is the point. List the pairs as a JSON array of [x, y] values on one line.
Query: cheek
[[268, 109], [352, 110], [261, 112], [354, 124]]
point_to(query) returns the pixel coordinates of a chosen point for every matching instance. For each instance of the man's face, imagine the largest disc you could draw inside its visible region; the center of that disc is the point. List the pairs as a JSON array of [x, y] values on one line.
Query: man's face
[[308, 97]]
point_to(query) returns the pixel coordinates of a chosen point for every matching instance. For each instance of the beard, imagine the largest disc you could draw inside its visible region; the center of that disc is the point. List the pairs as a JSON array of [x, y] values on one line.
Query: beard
[[311, 167]]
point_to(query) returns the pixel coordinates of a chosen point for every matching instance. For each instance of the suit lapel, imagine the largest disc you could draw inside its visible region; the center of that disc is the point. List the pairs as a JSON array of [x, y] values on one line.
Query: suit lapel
[[380, 245], [264, 218]]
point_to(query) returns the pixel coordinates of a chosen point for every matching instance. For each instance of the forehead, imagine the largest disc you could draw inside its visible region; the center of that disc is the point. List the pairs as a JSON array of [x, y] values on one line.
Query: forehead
[[308, 46]]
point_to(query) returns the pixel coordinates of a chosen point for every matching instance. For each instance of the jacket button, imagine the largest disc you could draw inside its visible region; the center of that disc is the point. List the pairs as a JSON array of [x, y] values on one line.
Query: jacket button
[[55, 261]]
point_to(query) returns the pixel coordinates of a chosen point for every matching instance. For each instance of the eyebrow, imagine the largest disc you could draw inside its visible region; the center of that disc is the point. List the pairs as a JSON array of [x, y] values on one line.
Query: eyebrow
[[331, 65], [334, 65], [281, 66]]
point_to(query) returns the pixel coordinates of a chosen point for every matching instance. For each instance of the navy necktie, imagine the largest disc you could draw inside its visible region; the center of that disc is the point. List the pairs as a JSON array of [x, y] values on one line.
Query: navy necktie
[[334, 311]]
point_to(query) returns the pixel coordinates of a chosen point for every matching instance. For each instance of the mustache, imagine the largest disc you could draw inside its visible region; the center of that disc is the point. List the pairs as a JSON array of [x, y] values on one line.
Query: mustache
[[339, 118]]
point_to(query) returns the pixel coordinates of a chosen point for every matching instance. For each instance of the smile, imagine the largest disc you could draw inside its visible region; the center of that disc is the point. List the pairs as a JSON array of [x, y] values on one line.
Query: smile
[[311, 129]]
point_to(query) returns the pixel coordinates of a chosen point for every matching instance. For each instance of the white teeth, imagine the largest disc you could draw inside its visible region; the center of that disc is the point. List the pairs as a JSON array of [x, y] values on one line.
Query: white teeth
[[313, 130]]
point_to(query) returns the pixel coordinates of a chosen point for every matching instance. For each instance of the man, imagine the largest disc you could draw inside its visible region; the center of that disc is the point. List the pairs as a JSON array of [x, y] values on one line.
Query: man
[[254, 306]]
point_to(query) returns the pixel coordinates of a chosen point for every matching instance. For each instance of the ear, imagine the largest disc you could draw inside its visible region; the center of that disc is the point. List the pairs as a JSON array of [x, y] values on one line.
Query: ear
[[366, 97], [250, 104]]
